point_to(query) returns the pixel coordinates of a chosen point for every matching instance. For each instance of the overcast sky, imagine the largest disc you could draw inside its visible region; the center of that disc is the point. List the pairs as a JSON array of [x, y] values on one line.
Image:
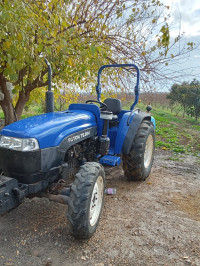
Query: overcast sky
[[185, 18], [186, 13]]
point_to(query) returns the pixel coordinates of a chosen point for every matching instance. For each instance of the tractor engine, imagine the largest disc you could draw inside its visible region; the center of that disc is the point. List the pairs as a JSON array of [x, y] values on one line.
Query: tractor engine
[[77, 155]]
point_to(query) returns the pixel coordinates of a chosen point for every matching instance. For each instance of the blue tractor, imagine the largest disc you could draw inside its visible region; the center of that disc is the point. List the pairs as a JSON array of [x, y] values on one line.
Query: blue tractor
[[62, 153]]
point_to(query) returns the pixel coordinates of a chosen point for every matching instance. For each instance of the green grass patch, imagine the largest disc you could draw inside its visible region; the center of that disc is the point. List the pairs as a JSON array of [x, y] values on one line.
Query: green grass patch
[[165, 116], [197, 127], [180, 135], [1, 114]]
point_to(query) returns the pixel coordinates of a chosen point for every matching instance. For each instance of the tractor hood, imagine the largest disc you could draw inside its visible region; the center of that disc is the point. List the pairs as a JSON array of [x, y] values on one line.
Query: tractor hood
[[51, 128]]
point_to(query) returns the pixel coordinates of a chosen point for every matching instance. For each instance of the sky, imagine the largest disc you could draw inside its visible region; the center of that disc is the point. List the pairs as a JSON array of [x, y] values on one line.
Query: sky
[[185, 13], [185, 18]]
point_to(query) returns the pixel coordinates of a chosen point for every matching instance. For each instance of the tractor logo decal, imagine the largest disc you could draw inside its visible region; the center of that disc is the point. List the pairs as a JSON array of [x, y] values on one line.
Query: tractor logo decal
[[79, 136]]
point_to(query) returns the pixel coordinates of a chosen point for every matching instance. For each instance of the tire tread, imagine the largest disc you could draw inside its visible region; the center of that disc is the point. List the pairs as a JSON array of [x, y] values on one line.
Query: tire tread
[[132, 162], [80, 198]]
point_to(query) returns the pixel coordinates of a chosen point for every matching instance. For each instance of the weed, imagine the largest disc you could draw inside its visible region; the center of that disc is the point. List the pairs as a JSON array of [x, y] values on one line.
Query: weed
[[176, 134], [1, 114]]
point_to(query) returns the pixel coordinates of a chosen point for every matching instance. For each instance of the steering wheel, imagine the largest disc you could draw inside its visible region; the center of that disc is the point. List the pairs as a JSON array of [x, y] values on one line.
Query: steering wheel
[[103, 106]]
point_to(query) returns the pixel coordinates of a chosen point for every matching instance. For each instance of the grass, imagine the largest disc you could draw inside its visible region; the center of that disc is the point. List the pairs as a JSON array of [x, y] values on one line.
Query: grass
[[180, 135], [1, 114], [34, 110]]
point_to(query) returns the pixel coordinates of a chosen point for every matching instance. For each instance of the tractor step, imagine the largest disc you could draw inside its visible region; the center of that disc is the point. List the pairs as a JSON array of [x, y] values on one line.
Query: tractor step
[[110, 160]]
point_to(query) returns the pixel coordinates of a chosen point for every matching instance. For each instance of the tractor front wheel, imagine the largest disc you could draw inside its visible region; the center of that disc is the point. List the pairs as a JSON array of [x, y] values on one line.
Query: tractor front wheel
[[137, 164], [86, 200]]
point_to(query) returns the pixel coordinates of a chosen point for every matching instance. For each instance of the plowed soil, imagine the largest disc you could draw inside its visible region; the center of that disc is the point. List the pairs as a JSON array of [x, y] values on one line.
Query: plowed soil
[[155, 222]]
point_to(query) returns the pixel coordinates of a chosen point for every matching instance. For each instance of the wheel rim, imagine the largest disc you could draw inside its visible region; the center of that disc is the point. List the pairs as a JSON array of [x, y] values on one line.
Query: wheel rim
[[96, 200], [148, 151]]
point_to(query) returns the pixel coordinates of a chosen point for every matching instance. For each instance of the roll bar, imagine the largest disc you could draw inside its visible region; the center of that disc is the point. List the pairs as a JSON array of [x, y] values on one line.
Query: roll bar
[[98, 87]]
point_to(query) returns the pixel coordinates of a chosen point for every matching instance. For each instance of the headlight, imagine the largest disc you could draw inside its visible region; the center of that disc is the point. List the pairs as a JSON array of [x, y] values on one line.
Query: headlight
[[18, 144]]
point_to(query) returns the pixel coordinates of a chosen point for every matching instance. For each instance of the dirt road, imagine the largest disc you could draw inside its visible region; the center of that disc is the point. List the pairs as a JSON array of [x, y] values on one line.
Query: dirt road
[[156, 222]]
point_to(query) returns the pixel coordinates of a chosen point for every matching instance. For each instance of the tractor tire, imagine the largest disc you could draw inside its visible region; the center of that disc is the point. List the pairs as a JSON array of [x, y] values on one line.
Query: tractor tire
[[137, 164], [86, 200]]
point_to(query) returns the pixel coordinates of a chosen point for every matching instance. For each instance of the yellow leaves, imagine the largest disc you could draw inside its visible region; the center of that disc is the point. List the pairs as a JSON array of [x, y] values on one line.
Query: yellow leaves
[[64, 23], [56, 20], [54, 33], [55, 2], [123, 98], [103, 97], [37, 95], [43, 6], [143, 53], [65, 96], [165, 36], [51, 41], [190, 45], [40, 40], [40, 47], [154, 20], [7, 44], [70, 61], [19, 37], [58, 49], [50, 5]]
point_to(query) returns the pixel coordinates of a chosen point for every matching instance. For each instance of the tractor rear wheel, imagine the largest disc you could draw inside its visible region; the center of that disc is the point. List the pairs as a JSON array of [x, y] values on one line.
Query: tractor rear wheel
[[137, 164], [86, 200]]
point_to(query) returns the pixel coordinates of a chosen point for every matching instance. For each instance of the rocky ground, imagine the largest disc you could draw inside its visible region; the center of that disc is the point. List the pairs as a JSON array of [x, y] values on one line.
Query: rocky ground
[[156, 222]]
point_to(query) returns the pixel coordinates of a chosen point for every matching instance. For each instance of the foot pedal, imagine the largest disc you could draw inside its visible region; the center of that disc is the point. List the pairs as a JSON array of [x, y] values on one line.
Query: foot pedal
[[110, 160]]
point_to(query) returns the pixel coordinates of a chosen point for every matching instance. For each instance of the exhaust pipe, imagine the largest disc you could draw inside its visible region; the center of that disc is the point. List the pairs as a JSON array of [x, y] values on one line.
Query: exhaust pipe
[[49, 93]]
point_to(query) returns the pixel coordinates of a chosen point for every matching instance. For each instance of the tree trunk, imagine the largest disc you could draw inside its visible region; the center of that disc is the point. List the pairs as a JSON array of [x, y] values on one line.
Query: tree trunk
[[22, 100], [6, 104], [8, 111]]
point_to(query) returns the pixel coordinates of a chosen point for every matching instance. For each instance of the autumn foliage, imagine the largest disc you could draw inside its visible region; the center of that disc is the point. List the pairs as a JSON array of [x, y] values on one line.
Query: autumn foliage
[[77, 37]]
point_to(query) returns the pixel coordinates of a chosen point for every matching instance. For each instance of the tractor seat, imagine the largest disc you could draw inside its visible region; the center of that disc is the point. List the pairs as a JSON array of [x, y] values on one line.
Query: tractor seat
[[114, 106]]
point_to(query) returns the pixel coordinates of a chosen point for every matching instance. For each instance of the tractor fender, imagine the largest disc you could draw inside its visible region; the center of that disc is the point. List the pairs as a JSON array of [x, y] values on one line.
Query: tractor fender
[[132, 130]]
